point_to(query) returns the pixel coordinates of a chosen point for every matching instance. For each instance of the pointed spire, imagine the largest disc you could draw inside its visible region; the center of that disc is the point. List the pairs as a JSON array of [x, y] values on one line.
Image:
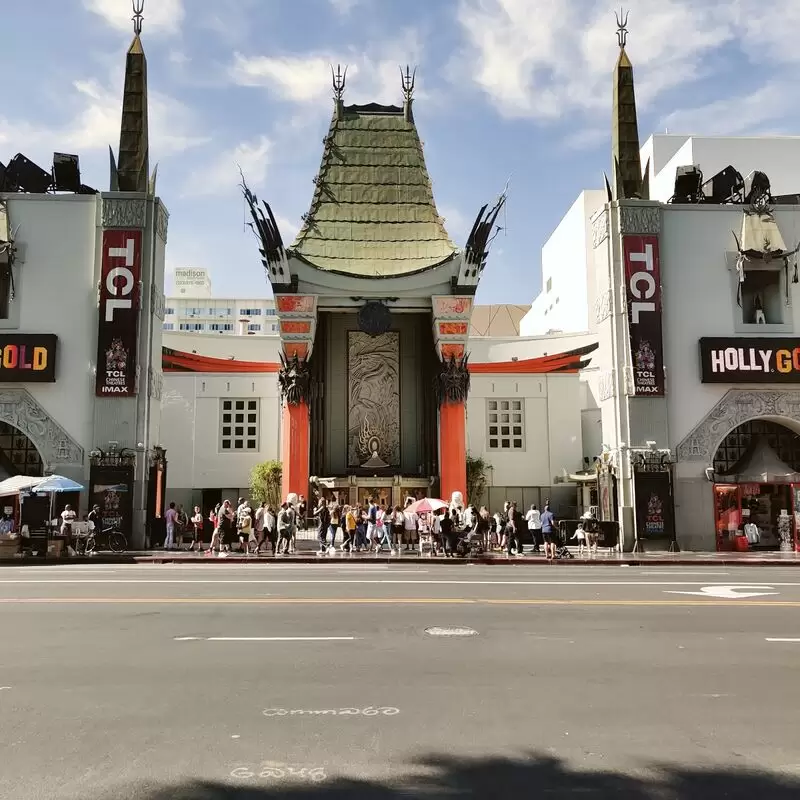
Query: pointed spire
[[339, 81], [132, 170], [626, 163], [408, 81]]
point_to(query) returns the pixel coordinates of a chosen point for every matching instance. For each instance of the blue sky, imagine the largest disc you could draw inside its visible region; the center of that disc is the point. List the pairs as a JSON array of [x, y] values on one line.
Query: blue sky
[[506, 89]]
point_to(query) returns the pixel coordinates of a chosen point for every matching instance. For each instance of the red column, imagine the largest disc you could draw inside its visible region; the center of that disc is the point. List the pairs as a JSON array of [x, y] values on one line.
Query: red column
[[295, 449], [452, 449]]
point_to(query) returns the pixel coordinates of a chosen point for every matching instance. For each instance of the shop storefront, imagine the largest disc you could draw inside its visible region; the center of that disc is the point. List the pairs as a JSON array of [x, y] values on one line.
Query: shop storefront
[[757, 516]]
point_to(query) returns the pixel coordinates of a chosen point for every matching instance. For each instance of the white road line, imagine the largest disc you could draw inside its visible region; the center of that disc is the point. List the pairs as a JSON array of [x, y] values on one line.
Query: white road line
[[265, 638], [793, 641], [350, 582], [674, 572]]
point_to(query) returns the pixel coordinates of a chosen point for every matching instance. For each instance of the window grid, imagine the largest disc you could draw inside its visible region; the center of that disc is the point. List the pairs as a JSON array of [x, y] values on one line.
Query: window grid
[[192, 326], [220, 326], [505, 424], [254, 327], [239, 425], [169, 326], [249, 312]]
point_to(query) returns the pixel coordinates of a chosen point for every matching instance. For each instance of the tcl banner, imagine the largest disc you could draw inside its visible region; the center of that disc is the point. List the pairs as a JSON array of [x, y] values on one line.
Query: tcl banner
[[119, 313], [643, 289], [741, 360]]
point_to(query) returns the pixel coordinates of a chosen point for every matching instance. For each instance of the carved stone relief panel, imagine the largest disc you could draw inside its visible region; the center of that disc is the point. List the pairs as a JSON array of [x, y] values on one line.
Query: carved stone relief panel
[[373, 401], [606, 388], [736, 407], [602, 306], [124, 212], [600, 228], [157, 302], [19, 409], [639, 219], [162, 221], [156, 380]]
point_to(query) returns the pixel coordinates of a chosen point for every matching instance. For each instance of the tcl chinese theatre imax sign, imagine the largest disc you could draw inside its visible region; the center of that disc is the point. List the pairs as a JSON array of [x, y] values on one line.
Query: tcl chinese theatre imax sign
[[745, 360], [118, 332]]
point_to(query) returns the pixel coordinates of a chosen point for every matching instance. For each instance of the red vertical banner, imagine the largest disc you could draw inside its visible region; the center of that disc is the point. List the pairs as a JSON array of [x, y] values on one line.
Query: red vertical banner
[[643, 294], [118, 327], [295, 450]]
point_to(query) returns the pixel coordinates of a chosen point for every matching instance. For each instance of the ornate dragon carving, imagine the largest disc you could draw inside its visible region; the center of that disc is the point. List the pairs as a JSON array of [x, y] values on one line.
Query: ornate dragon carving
[[452, 383], [294, 380]]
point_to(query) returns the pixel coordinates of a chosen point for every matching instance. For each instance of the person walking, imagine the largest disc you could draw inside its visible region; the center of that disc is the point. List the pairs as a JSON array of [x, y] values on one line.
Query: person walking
[[410, 520], [171, 520], [382, 530], [349, 528], [336, 512], [514, 538], [258, 526], [372, 522], [549, 534], [534, 520], [227, 524], [284, 529], [323, 523], [271, 529]]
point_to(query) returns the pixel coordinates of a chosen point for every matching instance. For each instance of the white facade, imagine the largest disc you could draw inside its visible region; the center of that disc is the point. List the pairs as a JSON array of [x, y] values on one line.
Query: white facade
[[567, 292], [204, 314], [58, 246]]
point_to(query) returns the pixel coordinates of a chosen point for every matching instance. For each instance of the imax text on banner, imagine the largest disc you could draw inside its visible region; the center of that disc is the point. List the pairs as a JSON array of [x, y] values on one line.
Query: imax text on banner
[[119, 313]]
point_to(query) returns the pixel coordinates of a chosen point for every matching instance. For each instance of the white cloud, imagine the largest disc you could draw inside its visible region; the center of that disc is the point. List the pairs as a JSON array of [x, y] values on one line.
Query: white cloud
[[94, 111], [253, 157], [456, 223], [306, 78], [741, 114], [162, 16], [288, 228], [536, 58]]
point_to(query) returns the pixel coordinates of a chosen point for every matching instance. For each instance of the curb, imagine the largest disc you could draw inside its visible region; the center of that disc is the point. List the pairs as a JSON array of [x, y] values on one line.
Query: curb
[[494, 561]]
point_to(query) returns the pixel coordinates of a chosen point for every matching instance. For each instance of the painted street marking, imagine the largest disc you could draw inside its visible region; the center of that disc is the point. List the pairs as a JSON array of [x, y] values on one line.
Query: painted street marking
[[675, 572], [369, 711], [730, 592], [373, 601], [367, 582], [265, 639], [793, 641], [3, 688], [278, 772], [451, 632]]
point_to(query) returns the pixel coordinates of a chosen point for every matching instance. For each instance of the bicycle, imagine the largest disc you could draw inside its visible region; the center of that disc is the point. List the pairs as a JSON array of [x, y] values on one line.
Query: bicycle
[[114, 539]]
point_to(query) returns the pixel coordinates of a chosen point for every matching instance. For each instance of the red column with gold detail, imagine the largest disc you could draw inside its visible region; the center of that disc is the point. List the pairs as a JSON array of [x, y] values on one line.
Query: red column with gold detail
[[452, 449], [297, 318], [295, 449]]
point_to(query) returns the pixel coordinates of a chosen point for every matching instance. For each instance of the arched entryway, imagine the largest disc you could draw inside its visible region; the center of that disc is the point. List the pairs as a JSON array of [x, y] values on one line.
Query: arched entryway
[[757, 487], [18, 454]]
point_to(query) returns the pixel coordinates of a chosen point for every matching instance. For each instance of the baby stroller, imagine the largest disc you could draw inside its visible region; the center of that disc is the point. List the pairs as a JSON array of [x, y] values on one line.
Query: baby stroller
[[564, 552], [469, 544]]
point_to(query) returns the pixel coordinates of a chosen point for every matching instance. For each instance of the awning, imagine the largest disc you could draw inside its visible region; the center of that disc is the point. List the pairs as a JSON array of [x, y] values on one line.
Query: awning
[[760, 464], [17, 484]]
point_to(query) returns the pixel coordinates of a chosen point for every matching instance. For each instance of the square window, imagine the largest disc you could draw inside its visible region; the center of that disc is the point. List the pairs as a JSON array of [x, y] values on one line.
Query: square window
[[505, 424], [236, 434], [761, 297]]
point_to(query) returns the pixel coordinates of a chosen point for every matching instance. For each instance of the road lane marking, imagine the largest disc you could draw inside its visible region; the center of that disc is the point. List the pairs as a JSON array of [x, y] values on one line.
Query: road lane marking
[[730, 592], [265, 639], [792, 641], [353, 582], [675, 572], [397, 601]]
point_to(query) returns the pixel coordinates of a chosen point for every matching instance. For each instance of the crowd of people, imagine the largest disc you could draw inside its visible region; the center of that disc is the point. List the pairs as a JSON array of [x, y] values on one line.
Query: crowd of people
[[373, 527]]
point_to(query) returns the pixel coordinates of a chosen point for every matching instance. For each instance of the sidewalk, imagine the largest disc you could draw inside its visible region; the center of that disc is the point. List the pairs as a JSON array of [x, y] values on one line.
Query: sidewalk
[[308, 555]]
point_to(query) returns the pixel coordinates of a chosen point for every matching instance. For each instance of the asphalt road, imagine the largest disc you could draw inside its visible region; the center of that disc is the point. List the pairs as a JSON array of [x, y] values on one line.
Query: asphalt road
[[246, 682]]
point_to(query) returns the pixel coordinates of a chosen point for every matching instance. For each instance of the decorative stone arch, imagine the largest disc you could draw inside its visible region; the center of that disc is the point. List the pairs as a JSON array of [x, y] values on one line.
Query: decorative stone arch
[[736, 407], [19, 409]]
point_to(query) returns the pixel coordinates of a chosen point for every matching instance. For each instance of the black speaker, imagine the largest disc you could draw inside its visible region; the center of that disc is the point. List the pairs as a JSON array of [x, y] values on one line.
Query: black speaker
[[727, 186], [66, 172], [756, 186], [786, 199], [688, 183], [26, 176]]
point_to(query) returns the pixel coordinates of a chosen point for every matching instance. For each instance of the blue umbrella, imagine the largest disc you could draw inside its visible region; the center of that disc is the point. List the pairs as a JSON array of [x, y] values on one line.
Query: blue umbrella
[[57, 483]]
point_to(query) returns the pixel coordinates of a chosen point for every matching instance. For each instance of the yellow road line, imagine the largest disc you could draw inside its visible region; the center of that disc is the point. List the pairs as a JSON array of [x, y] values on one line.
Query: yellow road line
[[384, 601]]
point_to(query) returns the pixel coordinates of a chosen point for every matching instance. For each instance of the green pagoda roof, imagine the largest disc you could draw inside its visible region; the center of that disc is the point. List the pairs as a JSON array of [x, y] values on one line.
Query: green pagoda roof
[[373, 212]]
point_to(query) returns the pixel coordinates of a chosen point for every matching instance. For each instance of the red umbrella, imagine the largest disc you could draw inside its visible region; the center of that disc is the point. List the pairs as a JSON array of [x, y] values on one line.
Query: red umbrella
[[427, 505]]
